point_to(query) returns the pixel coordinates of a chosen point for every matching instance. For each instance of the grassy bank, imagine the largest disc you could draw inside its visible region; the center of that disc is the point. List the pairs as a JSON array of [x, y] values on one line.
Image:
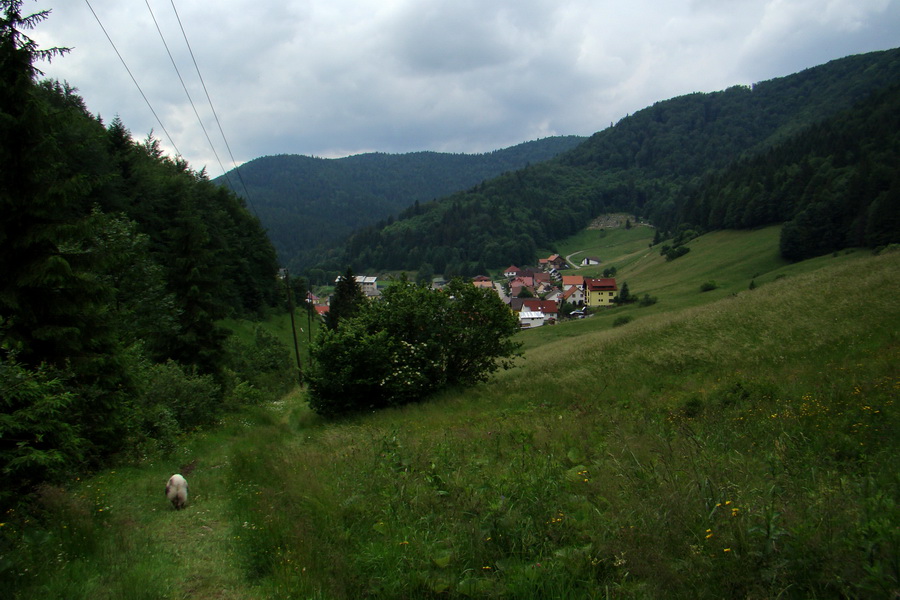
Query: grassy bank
[[739, 445]]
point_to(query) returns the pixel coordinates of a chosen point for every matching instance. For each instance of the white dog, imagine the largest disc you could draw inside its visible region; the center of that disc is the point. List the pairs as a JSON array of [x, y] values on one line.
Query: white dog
[[177, 491]]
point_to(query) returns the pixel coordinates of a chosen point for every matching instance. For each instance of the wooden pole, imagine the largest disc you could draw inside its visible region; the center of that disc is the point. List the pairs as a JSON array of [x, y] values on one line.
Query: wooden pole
[[287, 280]]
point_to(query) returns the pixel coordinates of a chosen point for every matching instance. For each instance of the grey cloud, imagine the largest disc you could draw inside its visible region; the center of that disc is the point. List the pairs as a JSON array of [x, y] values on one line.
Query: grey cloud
[[333, 77]]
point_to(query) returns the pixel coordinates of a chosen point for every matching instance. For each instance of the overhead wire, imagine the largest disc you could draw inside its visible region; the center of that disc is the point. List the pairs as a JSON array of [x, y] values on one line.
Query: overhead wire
[[187, 93], [212, 108], [130, 74]]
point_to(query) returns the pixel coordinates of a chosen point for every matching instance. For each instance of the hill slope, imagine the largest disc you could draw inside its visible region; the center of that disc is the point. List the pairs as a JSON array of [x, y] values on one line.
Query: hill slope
[[647, 164], [743, 448], [305, 202]]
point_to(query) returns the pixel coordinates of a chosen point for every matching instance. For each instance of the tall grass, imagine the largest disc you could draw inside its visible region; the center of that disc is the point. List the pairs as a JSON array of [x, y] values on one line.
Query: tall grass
[[738, 450], [743, 448]]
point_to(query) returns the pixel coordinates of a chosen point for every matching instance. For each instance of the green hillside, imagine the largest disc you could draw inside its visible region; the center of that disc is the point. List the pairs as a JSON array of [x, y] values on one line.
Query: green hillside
[[816, 149], [731, 443], [307, 202]]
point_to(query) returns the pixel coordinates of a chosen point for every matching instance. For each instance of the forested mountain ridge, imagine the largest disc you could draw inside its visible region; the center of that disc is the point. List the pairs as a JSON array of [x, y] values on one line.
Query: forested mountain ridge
[[650, 163], [305, 202], [834, 185]]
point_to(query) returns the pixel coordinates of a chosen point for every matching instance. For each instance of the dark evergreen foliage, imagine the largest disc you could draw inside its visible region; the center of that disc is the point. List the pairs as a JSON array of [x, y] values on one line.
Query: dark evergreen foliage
[[834, 184], [114, 261], [309, 203], [347, 300]]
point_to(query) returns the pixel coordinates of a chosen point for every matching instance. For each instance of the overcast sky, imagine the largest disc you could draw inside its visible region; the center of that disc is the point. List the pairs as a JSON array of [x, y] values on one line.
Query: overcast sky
[[331, 78]]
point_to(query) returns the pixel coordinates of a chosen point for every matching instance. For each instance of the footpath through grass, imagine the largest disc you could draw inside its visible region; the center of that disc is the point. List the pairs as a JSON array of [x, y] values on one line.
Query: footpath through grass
[[741, 448], [115, 536]]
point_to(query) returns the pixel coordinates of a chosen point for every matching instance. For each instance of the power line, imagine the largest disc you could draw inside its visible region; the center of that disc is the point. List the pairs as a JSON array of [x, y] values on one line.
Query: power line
[[130, 74], [212, 108], [187, 93]]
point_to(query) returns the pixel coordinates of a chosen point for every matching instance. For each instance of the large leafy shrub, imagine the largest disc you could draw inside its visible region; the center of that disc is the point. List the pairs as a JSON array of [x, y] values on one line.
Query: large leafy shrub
[[408, 344], [265, 364]]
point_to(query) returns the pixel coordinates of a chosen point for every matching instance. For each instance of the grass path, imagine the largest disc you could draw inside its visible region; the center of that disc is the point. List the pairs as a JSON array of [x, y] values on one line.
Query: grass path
[[115, 535], [208, 555]]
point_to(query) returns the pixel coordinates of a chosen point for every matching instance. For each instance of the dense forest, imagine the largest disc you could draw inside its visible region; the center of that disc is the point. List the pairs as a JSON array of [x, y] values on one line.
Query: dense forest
[[117, 265], [666, 163], [834, 185], [306, 203]]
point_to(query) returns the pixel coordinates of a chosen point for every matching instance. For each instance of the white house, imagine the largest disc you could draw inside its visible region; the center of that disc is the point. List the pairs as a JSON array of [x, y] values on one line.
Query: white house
[[574, 295], [512, 271], [530, 318], [368, 284]]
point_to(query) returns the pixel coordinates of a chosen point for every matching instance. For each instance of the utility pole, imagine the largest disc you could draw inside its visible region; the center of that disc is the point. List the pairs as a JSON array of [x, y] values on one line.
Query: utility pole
[[290, 295], [309, 309]]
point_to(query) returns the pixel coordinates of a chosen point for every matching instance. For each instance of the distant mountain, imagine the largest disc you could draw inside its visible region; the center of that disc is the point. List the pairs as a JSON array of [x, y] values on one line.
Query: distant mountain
[[656, 164], [307, 202]]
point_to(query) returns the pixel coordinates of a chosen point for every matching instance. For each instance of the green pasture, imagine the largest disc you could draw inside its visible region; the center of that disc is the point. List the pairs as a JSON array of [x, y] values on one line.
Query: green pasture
[[733, 443]]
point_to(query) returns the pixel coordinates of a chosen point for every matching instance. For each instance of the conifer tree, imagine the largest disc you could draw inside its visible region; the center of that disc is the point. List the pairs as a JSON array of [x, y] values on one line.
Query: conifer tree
[[53, 306], [50, 302], [348, 297]]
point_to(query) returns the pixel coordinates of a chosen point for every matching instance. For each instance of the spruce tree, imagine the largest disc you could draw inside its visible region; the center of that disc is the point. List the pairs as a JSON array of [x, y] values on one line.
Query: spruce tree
[[53, 306], [51, 303], [348, 297]]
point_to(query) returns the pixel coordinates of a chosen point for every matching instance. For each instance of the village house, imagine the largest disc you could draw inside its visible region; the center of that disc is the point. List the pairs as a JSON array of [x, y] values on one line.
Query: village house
[[544, 288], [529, 319], [555, 295], [599, 292], [518, 284], [569, 281], [548, 307], [482, 281], [368, 284], [574, 295], [554, 261], [512, 271]]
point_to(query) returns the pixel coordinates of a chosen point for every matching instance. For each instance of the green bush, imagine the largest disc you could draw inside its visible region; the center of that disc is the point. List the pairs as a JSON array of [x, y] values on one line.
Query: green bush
[[41, 440], [708, 286], [408, 344], [266, 364], [674, 252], [187, 397], [348, 368], [623, 320], [647, 300]]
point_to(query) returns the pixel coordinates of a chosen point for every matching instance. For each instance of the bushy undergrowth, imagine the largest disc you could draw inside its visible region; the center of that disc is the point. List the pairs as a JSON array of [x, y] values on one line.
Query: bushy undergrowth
[[44, 443], [175, 399]]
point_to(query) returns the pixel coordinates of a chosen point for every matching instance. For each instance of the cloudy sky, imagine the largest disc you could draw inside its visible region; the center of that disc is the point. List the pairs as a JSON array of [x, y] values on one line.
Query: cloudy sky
[[331, 78]]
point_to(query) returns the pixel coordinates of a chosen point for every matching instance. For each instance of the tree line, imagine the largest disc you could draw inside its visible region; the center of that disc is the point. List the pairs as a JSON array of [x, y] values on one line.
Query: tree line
[[117, 264], [833, 185]]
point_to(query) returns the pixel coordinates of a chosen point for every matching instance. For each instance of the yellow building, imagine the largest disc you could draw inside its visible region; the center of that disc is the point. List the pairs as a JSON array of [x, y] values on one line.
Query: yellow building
[[599, 292]]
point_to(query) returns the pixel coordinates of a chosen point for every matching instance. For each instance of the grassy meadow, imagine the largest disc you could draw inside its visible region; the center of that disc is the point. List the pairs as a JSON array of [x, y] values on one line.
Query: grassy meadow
[[732, 443]]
